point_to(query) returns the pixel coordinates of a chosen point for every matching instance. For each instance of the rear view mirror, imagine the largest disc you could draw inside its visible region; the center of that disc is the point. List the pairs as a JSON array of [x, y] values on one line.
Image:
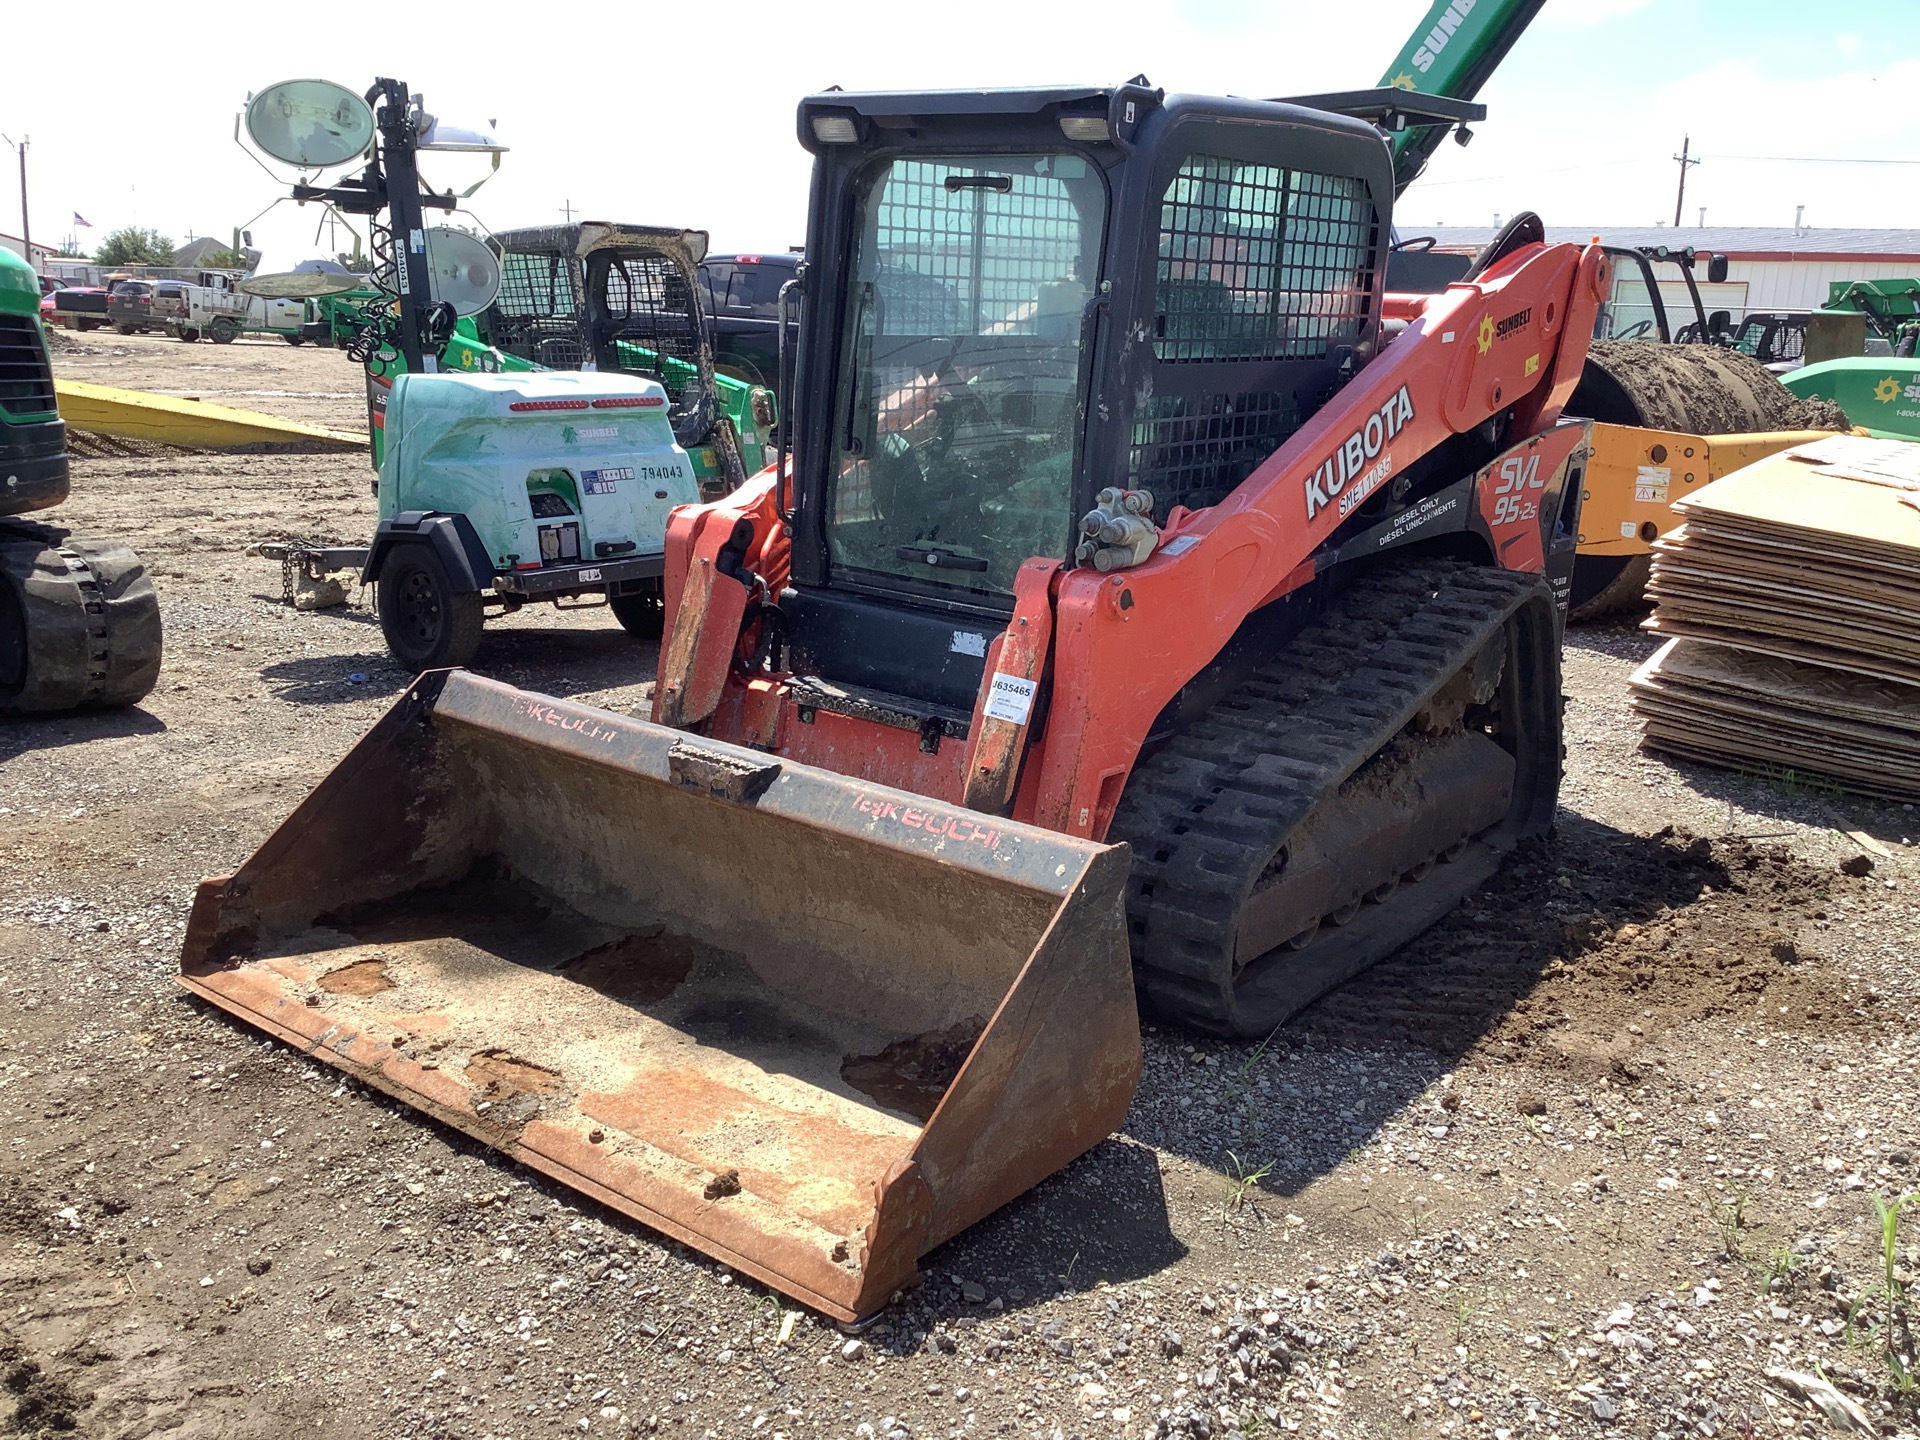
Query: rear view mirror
[[1716, 269]]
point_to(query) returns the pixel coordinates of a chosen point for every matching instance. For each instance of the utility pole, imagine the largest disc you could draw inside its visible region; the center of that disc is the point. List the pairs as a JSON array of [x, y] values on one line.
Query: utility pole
[[26, 226], [566, 209], [1679, 200]]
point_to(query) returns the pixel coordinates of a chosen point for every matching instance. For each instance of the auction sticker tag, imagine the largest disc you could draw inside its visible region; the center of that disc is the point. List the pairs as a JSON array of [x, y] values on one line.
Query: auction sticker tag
[[606, 482], [1011, 698]]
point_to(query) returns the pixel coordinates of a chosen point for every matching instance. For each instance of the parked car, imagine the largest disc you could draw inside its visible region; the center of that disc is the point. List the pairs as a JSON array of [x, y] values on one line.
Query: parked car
[[75, 307], [130, 307], [742, 299], [49, 284]]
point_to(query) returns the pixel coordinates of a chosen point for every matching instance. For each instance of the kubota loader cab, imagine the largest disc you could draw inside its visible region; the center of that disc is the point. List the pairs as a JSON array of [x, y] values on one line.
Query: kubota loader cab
[[1120, 501]]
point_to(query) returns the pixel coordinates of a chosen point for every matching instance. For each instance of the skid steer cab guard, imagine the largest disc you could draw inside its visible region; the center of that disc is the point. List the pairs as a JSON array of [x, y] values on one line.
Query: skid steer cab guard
[[809, 1025]]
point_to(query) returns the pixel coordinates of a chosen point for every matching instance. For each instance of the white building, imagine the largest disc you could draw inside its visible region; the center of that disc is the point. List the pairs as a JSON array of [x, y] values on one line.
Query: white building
[[1768, 269], [41, 253]]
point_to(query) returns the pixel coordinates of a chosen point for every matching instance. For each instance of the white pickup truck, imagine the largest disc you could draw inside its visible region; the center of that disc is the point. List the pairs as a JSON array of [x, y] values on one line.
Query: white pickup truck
[[216, 310]]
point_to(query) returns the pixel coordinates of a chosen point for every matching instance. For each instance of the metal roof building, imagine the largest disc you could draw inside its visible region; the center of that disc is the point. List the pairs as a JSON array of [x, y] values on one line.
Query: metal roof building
[[1769, 268]]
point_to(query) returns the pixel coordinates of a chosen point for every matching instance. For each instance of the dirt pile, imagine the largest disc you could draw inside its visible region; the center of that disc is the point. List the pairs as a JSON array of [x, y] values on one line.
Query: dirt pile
[[1597, 938], [1699, 389]]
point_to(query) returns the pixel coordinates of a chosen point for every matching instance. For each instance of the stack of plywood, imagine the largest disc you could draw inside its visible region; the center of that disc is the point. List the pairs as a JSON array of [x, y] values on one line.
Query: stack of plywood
[[1792, 594]]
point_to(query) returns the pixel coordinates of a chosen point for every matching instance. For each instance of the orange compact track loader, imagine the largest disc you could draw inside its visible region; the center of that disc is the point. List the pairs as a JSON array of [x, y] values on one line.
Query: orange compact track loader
[[1145, 601]]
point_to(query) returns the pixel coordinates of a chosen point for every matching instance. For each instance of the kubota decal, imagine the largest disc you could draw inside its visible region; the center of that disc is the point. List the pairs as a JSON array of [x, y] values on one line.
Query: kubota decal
[[1355, 470]]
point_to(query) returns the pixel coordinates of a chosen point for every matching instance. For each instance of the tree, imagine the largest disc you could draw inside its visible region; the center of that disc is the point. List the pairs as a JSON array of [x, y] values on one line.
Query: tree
[[224, 260], [131, 245]]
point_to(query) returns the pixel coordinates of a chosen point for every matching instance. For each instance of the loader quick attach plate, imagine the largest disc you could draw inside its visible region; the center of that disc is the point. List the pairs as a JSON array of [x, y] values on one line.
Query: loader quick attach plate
[[810, 1026]]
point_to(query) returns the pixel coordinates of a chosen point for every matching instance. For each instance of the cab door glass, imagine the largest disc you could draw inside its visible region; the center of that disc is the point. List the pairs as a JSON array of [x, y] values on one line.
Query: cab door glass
[[956, 422]]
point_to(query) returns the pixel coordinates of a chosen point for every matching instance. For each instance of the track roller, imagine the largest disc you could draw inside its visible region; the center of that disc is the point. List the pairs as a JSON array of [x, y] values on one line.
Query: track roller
[[1346, 796]]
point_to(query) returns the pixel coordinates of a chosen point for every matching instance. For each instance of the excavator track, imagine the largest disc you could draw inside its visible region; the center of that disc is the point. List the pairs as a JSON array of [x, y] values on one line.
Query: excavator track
[[79, 622], [1345, 796]]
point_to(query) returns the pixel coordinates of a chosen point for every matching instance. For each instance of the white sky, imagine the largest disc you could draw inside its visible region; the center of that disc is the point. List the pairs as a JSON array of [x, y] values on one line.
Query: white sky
[[605, 107]]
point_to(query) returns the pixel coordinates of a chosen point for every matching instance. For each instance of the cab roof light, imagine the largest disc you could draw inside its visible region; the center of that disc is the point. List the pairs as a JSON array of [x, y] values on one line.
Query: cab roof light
[[1088, 128], [628, 402], [835, 130], [548, 405]]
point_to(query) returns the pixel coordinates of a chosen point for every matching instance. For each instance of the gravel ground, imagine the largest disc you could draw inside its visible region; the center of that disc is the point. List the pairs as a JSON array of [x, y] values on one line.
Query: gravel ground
[[1592, 1157]]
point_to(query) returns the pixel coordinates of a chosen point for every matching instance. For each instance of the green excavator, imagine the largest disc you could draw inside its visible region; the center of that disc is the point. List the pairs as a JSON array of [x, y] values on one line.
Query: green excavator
[[79, 623]]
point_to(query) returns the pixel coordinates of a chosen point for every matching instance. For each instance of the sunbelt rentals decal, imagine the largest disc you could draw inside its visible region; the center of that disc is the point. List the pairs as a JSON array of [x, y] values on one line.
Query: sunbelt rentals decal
[[1355, 470], [1446, 22]]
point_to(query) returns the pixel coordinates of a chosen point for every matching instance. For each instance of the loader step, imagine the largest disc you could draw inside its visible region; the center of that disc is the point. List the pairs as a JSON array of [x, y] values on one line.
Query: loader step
[[1412, 733]]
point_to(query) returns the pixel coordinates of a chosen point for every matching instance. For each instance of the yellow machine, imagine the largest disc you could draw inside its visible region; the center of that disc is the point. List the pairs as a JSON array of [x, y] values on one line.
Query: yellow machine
[[1633, 478], [1668, 419]]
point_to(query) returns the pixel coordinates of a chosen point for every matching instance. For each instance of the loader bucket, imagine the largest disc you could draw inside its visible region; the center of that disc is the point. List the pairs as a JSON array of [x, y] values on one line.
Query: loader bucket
[[810, 1026]]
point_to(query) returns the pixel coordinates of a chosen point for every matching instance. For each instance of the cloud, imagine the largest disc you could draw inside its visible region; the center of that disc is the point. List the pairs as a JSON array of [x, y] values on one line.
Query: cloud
[[1848, 45]]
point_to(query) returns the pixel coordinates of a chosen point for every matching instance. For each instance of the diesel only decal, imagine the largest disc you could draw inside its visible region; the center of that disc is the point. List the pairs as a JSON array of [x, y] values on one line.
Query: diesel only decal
[[1428, 510], [1355, 470]]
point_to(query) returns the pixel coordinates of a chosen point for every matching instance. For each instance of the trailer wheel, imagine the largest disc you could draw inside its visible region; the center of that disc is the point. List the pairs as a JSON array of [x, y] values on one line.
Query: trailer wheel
[[225, 332], [294, 339], [428, 624], [642, 614], [126, 329], [189, 334]]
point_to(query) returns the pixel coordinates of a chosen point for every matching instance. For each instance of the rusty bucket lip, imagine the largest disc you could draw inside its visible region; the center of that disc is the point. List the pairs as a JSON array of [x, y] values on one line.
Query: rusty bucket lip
[[959, 1165], [311, 1043]]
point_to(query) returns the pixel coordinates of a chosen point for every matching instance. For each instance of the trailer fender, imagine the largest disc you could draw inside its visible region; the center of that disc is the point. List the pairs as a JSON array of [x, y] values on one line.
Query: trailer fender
[[453, 538]]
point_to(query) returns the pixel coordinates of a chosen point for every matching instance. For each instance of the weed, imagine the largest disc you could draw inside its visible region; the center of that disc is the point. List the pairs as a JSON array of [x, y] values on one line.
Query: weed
[[1889, 1213], [1464, 1314], [1418, 1218], [1243, 1185], [1729, 1217], [1776, 1271], [1252, 1062], [1854, 1307], [1793, 784], [1896, 1333]]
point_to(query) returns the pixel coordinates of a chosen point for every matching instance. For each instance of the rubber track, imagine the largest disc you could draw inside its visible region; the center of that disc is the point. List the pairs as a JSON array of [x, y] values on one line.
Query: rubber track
[[1206, 813], [92, 621]]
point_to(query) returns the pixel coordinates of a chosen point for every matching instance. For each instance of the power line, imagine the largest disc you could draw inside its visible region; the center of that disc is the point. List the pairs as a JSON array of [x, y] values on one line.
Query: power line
[[1553, 170], [1815, 160]]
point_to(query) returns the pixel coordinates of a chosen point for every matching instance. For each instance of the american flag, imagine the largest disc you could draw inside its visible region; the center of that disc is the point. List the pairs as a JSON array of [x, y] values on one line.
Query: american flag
[[80, 219]]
